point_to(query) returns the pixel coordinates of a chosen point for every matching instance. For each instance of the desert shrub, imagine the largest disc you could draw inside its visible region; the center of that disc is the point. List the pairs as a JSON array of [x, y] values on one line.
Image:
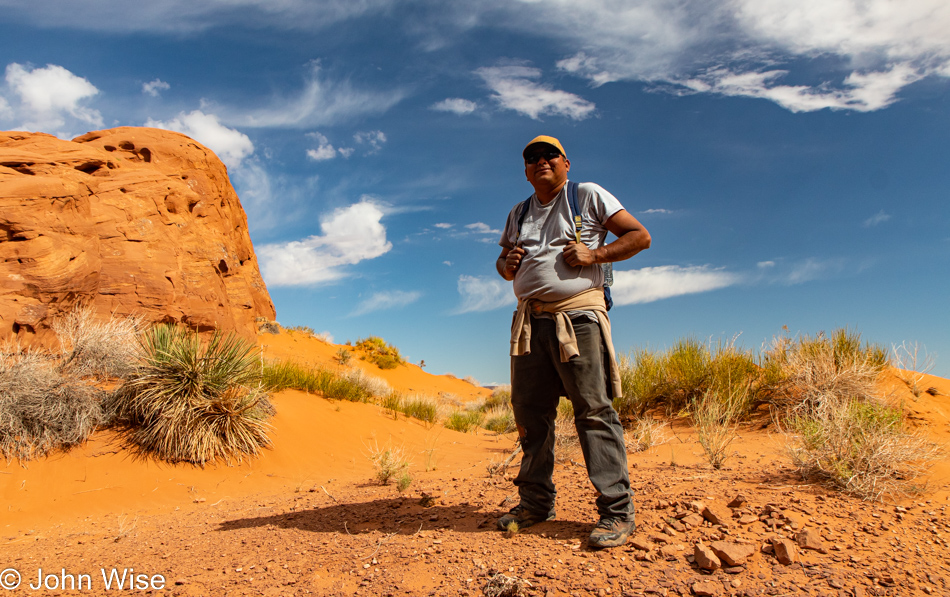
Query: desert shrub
[[41, 409], [645, 434], [686, 369], [366, 386], [194, 401], [643, 381], [392, 402], [860, 448], [714, 417], [343, 356], [823, 370], [376, 350], [282, 375], [104, 348], [912, 363], [500, 419], [500, 396], [464, 421], [390, 463], [421, 407], [303, 329], [403, 481]]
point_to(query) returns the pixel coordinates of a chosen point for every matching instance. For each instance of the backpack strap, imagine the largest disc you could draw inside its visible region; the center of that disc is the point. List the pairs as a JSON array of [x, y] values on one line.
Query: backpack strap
[[575, 210], [524, 210], [576, 213]]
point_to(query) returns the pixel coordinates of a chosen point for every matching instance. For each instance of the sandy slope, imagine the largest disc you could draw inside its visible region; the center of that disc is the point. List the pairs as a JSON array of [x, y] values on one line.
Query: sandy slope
[[307, 517]]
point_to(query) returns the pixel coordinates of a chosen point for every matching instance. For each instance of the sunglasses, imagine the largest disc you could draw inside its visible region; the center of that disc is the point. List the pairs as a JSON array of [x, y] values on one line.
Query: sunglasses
[[548, 155]]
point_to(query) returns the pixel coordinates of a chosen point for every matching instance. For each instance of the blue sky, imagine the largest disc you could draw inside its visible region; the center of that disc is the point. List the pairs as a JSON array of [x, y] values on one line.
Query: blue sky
[[789, 159]]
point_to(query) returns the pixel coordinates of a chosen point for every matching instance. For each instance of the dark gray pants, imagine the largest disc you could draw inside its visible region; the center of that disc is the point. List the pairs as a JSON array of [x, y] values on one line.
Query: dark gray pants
[[538, 380]]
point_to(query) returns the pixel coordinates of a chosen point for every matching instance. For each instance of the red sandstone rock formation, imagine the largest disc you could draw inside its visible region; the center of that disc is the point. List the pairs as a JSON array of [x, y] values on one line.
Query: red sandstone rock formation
[[129, 220]]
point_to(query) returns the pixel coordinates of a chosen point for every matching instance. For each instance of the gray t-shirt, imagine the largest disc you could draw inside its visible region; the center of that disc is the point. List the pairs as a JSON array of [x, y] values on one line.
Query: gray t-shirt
[[546, 230]]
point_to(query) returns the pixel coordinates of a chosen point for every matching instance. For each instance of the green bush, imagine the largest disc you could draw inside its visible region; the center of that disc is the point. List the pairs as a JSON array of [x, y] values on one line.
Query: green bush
[[464, 421], [643, 382], [422, 408], [376, 350], [282, 375], [194, 401], [500, 420]]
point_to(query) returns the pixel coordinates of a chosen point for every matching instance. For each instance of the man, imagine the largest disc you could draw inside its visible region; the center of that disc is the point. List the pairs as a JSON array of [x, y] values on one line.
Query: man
[[561, 337]]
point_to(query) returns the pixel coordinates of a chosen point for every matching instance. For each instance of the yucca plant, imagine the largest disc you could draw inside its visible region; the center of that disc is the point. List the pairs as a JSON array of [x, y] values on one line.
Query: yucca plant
[[194, 401]]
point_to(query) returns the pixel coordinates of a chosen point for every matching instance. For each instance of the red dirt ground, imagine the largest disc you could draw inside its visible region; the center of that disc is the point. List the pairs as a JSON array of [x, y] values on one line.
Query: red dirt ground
[[308, 518]]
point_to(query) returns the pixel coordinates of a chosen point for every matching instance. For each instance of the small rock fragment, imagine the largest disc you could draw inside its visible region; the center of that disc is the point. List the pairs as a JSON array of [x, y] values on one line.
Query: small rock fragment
[[718, 514], [693, 520], [706, 558], [738, 501], [784, 551], [706, 588], [732, 554], [810, 539]]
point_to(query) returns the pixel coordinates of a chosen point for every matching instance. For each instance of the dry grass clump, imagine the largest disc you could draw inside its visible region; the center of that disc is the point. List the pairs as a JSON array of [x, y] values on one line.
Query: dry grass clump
[[194, 401], [912, 363], [825, 369], [390, 463], [714, 417], [645, 434], [42, 410], [102, 349], [861, 448]]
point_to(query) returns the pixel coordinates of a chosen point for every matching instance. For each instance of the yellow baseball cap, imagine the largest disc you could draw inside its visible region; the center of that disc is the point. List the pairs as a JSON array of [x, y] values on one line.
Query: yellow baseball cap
[[546, 140]]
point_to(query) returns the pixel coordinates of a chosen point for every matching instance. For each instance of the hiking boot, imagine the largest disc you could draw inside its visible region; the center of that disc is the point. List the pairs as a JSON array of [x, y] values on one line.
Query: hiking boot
[[610, 532], [523, 517]]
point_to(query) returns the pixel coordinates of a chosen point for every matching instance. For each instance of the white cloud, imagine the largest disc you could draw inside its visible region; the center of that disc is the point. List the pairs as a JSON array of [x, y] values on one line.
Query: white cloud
[[878, 218], [443, 225], [865, 51], [650, 284], [324, 150], [321, 102], [515, 88], [50, 98], [230, 145], [381, 301], [182, 17], [813, 269], [482, 293], [765, 264], [658, 211], [375, 140], [482, 228], [155, 88], [860, 92], [350, 235], [455, 105], [449, 263]]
